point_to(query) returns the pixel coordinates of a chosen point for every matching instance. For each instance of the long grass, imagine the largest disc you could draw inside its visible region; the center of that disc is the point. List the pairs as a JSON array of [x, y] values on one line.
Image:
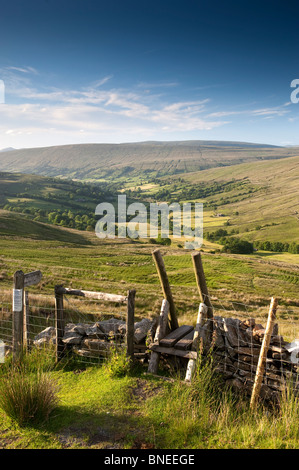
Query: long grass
[[28, 394]]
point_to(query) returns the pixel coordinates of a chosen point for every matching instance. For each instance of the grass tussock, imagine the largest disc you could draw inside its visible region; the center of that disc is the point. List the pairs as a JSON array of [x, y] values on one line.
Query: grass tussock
[[28, 393]]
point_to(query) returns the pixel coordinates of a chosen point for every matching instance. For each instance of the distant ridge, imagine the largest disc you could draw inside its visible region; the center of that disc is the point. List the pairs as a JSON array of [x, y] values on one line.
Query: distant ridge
[[97, 161], [8, 149]]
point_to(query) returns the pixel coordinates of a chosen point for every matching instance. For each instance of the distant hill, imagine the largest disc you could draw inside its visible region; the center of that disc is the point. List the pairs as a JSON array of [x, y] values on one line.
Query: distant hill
[[8, 149], [126, 161]]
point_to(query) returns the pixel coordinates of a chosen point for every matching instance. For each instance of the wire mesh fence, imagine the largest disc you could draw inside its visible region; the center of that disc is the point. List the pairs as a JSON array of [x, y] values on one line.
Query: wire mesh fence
[[236, 336], [6, 337], [89, 330], [93, 329]]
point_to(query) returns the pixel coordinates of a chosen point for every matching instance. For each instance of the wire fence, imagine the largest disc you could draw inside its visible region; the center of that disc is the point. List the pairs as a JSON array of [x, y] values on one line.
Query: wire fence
[[92, 330], [6, 336], [237, 332]]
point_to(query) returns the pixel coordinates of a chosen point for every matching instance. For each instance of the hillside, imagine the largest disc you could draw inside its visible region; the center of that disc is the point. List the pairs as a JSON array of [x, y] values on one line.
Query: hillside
[[131, 160], [270, 209], [256, 200], [52, 200]]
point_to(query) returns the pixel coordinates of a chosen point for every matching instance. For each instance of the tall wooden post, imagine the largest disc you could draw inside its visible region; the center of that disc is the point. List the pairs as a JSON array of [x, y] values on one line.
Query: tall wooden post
[[59, 323], [18, 307], [263, 353], [203, 290], [130, 324], [201, 282], [165, 287]]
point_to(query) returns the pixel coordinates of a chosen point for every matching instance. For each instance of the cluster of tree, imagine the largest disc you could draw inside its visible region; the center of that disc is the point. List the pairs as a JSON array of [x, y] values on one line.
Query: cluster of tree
[[217, 235], [277, 246], [236, 245], [80, 220], [161, 241]]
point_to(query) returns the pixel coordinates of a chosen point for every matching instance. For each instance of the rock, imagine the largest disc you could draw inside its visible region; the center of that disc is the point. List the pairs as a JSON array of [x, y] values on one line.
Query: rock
[[112, 326], [141, 330], [47, 336], [77, 328], [72, 338], [95, 331], [249, 323], [231, 328], [96, 344]]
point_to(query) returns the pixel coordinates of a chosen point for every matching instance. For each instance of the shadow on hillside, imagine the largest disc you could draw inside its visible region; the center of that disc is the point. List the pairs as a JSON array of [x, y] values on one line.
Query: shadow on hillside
[[13, 224]]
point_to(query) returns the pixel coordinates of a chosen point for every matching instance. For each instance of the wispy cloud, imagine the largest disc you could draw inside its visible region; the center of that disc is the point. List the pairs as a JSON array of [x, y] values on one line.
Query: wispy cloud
[[100, 111]]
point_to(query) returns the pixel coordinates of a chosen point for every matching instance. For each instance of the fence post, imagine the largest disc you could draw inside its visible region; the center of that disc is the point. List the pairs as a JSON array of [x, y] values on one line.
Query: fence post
[[201, 319], [165, 287], [160, 333], [201, 282], [26, 323], [59, 323], [263, 353], [18, 307], [130, 324]]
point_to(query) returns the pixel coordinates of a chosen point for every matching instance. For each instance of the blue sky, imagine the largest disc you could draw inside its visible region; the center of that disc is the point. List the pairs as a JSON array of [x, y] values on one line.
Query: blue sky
[[85, 71]]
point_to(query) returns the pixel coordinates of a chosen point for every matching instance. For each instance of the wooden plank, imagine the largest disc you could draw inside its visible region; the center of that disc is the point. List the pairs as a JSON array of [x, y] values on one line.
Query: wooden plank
[[93, 295], [33, 278], [174, 352], [170, 340], [186, 342], [165, 287], [160, 333]]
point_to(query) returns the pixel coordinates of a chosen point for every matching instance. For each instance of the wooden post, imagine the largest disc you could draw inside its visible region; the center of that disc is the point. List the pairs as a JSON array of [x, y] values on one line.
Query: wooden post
[[165, 287], [201, 282], [26, 323], [263, 353], [160, 333], [130, 324], [18, 306], [201, 319], [59, 323]]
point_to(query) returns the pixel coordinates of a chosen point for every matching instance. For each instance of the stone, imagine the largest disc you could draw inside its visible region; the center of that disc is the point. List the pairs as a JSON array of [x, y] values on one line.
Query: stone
[[141, 330], [77, 328], [72, 338], [111, 327], [47, 336], [249, 323], [97, 344]]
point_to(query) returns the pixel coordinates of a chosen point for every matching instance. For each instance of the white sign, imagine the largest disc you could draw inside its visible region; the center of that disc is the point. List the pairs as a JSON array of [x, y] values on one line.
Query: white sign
[[17, 300], [2, 352]]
